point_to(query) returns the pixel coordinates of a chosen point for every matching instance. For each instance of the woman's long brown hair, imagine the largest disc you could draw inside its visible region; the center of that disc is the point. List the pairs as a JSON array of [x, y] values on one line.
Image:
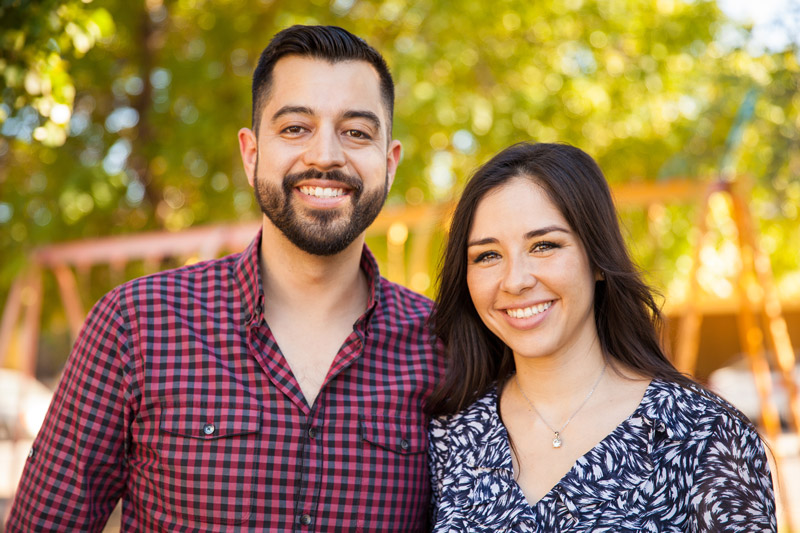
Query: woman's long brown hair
[[626, 314]]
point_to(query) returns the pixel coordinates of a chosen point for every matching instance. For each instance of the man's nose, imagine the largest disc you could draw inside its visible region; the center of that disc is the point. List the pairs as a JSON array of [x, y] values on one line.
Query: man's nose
[[325, 151]]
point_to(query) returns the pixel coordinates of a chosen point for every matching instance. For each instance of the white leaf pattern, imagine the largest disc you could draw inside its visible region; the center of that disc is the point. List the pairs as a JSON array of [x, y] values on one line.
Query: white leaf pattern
[[680, 462]]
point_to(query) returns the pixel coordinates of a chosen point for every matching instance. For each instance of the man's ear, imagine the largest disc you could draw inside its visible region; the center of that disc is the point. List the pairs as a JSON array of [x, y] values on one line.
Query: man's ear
[[392, 160], [248, 148]]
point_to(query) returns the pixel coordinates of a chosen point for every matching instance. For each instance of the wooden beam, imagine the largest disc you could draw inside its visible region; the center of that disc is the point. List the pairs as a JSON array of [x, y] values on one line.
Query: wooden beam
[[32, 297], [10, 317], [68, 288], [641, 194]]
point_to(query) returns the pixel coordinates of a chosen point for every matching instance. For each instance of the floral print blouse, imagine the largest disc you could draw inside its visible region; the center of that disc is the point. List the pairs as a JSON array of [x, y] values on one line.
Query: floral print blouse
[[681, 462]]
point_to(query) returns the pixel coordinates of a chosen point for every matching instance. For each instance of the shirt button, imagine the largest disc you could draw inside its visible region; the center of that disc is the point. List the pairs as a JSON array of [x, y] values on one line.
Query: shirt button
[[305, 519], [312, 432], [30, 453], [209, 429], [404, 444]]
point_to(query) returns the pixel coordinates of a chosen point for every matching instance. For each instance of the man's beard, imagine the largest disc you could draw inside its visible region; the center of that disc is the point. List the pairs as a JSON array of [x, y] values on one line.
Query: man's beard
[[320, 231]]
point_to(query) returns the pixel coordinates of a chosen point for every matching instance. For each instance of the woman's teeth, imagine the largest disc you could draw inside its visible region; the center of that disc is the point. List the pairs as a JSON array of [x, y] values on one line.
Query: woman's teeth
[[526, 312]]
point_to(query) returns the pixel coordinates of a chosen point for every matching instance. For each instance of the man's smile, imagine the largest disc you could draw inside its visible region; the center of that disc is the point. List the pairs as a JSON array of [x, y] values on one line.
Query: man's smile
[[322, 192]]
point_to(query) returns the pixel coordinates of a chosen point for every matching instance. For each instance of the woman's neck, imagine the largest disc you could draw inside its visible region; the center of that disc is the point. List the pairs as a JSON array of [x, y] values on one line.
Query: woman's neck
[[553, 380]]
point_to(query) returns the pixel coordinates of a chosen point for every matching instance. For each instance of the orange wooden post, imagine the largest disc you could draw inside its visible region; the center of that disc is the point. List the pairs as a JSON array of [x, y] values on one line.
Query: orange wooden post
[[751, 339], [10, 316], [750, 333], [760, 269], [688, 341], [419, 257], [396, 237], [32, 300], [68, 288]]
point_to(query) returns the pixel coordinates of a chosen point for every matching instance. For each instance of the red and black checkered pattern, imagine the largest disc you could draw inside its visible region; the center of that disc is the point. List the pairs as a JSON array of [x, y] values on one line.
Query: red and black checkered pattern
[[177, 400]]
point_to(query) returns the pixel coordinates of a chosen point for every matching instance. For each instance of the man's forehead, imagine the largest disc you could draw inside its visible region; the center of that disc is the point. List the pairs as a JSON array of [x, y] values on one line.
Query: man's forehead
[[320, 85]]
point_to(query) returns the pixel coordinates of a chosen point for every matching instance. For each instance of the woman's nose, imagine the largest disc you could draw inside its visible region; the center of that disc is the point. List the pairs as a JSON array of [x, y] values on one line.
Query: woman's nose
[[518, 276]]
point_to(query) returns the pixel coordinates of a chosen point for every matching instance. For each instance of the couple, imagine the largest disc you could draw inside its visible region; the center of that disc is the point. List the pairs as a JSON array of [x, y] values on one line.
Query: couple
[[290, 387]]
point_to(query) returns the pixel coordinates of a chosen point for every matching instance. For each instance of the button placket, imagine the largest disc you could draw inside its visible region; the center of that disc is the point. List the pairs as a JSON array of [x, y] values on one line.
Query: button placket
[[311, 464]]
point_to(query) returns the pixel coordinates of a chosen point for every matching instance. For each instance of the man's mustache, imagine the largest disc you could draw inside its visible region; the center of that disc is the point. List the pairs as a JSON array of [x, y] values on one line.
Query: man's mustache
[[290, 181]]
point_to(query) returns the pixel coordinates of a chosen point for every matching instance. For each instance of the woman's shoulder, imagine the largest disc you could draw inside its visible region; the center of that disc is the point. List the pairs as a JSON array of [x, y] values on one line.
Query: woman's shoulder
[[474, 436], [477, 418], [693, 412]]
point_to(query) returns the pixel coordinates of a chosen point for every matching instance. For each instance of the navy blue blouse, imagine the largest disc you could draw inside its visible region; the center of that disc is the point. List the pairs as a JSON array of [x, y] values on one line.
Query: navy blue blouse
[[679, 463]]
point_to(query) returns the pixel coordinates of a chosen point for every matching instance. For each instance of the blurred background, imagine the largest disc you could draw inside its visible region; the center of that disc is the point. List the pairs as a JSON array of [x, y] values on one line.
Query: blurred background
[[118, 157]]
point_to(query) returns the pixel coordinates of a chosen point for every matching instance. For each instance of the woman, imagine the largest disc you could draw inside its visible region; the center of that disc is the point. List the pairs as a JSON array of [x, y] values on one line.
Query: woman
[[560, 411]]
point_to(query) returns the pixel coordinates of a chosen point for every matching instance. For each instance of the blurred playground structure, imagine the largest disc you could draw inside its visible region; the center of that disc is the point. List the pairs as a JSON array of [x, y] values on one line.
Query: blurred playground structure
[[757, 372], [113, 117]]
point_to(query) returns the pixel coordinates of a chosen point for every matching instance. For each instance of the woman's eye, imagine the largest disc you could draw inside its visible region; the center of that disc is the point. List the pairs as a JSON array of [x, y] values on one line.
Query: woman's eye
[[544, 246], [486, 257]]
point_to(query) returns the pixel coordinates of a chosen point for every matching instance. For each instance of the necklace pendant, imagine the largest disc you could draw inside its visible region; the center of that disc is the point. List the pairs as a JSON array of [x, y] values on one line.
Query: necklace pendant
[[556, 441]]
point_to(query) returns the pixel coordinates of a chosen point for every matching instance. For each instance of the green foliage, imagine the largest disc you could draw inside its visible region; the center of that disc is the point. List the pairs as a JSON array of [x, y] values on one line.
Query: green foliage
[[156, 91], [38, 39]]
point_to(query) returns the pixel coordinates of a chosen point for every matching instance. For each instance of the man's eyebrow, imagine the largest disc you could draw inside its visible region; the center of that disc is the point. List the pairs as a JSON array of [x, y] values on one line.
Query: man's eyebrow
[[530, 235], [368, 115], [292, 109], [303, 110]]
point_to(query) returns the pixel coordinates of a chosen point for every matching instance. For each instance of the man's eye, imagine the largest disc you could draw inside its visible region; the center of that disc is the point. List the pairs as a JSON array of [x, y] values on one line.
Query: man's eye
[[293, 130], [357, 134]]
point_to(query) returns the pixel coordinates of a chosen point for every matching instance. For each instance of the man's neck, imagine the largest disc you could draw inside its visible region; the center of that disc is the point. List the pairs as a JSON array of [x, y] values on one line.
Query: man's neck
[[318, 285], [311, 304]]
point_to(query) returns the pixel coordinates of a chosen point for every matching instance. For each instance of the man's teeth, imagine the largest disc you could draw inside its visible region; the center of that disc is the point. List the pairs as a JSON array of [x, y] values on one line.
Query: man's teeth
[[528, 311], [320, 192]]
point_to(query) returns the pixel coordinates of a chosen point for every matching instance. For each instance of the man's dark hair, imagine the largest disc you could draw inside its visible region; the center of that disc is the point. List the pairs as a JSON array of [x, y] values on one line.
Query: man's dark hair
[[330, 43]]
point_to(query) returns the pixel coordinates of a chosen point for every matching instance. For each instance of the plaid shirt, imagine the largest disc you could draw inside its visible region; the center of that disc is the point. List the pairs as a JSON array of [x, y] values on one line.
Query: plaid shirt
[[176, 399]]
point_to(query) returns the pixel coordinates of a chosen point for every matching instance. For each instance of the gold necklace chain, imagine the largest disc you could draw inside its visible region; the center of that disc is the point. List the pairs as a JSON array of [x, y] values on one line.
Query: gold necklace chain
[[557, 442]]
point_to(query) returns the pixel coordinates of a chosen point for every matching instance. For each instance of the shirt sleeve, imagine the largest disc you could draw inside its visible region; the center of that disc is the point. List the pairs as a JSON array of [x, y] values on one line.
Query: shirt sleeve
[[733, 486], [76, 470]]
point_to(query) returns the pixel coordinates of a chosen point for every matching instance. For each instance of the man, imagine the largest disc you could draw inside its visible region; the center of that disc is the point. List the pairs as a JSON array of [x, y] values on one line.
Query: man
[[279, 389]]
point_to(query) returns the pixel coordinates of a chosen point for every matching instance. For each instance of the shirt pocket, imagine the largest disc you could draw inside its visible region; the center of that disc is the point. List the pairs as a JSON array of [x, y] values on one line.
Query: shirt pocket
[[395, 492], [208, 457], [396, 435]]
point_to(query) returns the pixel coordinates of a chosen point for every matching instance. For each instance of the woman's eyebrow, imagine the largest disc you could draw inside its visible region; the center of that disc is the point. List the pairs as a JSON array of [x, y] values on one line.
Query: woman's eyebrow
[[544, 231], [530, 235], [479, 242]]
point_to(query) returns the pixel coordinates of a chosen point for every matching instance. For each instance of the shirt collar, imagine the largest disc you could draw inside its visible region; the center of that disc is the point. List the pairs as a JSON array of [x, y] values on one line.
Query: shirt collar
[[247, 275], [369, 266], [670, 409]]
